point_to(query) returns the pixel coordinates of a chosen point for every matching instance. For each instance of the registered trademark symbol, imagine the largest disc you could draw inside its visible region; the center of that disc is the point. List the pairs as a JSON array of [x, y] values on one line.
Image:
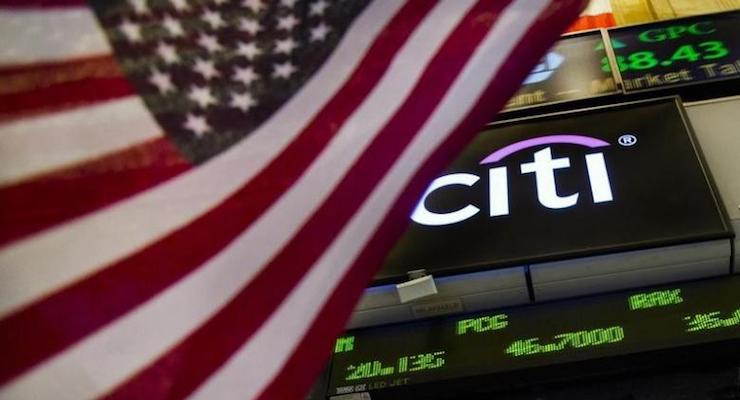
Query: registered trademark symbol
[[627, 140]]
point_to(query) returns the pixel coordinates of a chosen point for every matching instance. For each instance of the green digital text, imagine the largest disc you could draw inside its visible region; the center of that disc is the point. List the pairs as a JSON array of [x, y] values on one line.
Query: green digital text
[[576, 340], [677, 32], [711, 320], [661, 298], [344, 344], [688, 53], [405, 364], [482, 324]]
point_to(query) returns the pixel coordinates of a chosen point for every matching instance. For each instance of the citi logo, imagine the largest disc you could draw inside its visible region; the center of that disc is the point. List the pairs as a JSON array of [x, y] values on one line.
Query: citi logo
[[543, 166]]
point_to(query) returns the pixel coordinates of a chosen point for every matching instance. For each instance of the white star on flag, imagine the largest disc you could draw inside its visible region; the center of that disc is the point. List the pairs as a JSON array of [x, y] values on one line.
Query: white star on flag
[[245, 75], [180, 5], [319, 32], [197, 124], [168, 53], [139, 6], [318, 8], [250, 25], [249, 50], [242, 101], [173, 26], [283, 70], [162, 81], [209, 42], [255, 5], [131, 30], [288, 3], [285, 46], [288, 22], [206, 68], [202, 96], [213, 18]]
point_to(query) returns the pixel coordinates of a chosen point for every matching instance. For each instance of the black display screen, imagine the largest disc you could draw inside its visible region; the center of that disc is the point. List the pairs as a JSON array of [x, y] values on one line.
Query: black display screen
[[571, 70], [565, 185], [678, 52], [536, 335]]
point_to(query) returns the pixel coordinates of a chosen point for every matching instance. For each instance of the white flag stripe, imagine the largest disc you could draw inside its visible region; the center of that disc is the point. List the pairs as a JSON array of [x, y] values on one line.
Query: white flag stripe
[[258, 359], [32, 36], [141, 336], [37, 266], [33, 146]]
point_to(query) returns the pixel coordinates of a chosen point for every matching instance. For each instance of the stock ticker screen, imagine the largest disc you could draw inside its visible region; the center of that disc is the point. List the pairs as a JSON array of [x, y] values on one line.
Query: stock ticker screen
[[571, 70], [678, 52], [649, 56], [537, 335]]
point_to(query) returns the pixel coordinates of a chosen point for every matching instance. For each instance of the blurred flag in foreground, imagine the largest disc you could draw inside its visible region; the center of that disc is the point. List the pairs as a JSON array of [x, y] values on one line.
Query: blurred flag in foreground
[[193, 194]]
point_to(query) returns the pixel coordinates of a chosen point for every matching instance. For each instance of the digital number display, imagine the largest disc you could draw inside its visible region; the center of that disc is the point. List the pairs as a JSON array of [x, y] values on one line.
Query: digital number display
[[536, 335], [562, 341], [404, 364], [677, 52], [711, 320]]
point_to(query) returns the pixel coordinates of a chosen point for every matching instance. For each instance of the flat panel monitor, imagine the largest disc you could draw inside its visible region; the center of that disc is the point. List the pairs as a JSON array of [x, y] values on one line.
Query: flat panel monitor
[[574, 184], [678, 52]]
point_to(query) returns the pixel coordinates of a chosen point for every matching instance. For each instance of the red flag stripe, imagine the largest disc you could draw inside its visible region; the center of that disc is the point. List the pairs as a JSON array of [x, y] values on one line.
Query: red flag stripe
[[303, 363], [31, 206], [33, 89], [63, 96], [198, 356], [27, 77], [223, 223]]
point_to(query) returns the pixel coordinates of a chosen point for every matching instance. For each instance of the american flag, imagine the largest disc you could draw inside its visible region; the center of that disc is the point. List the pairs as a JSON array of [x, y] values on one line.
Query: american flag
[[193, 194]]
